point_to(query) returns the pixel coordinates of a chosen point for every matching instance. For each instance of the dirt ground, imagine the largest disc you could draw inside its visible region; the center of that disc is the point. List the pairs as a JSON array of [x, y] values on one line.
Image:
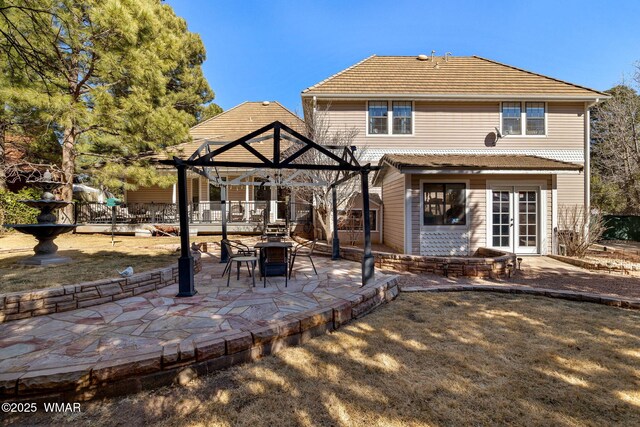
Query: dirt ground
[[425, 359]]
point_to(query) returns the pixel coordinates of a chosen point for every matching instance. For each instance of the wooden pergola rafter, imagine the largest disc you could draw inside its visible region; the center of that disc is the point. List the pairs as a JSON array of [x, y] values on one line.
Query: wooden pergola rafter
[[205, 159]]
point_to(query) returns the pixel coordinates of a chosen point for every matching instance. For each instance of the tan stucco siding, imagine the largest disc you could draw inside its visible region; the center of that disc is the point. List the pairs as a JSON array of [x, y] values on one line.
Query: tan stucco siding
[[463, 125], [393, 192]]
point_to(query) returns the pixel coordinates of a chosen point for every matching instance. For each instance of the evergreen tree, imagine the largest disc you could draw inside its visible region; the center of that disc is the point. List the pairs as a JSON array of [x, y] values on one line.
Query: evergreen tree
[[114, 78]]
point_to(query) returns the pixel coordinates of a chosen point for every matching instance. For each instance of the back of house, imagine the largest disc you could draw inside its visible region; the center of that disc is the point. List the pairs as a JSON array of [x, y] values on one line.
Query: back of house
[[474, 153]]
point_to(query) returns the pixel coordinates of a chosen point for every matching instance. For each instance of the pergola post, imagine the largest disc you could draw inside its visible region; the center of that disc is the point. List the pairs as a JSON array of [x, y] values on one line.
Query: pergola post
[[224, 255], [368, 261], [185, 262], [335, 254]]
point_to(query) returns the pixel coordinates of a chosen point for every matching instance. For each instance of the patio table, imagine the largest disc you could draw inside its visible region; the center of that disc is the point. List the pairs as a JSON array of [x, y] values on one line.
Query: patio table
[[274, 259]]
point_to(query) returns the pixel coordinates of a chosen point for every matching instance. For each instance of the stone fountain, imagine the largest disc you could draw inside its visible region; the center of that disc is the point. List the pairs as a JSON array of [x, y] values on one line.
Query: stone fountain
[[46, 230]]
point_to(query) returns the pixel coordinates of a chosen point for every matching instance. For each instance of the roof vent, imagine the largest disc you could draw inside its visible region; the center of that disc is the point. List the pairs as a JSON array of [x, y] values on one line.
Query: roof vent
[[265, 103], [423, 57]]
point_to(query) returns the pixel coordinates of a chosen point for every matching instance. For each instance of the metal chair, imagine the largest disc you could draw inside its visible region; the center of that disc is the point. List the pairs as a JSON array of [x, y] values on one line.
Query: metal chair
[[303, 250], [242, 250]]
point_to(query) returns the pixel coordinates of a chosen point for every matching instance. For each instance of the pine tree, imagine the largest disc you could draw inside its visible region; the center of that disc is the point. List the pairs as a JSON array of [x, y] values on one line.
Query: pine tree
[[114, 78]]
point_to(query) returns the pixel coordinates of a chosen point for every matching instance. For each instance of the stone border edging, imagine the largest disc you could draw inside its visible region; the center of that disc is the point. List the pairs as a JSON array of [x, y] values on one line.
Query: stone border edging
[[589, 265], [630, 303], [490, 262], [24, 304], [181, 362]]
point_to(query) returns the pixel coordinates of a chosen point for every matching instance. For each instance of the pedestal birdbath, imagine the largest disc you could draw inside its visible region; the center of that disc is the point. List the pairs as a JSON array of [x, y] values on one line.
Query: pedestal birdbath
[[46, 230]]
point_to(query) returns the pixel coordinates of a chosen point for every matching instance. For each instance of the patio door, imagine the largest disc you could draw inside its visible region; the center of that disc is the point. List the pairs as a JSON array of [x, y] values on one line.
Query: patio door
[[515, 219]]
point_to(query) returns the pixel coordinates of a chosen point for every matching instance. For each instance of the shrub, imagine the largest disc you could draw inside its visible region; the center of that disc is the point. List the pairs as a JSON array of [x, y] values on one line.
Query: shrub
[[577, 232], [14, 212]]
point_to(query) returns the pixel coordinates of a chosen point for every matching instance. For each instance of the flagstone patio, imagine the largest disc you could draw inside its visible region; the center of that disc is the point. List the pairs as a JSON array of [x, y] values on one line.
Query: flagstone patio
[[86, 350]]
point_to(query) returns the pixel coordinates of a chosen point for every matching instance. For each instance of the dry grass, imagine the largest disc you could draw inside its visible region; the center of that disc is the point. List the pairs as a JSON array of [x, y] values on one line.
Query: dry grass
[[425, 359], [93, 258]]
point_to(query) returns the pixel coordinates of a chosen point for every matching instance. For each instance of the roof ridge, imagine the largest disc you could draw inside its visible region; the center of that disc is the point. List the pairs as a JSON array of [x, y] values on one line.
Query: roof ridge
[[289, 111], [217, 115], [337, 74], [540, 75]]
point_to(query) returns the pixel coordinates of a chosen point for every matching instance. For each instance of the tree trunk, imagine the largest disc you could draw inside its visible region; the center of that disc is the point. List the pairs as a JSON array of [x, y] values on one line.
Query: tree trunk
[[68, 168], [3, 161]]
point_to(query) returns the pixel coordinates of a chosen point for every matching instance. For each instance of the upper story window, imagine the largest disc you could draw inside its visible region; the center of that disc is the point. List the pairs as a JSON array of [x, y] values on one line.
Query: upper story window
[[535, 118], [402, 117], [399, 122], [533, 115], [378, 117], [444, 204]]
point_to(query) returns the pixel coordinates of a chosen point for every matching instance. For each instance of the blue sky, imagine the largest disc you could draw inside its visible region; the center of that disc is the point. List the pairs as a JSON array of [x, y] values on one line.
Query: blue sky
[[272, 50]]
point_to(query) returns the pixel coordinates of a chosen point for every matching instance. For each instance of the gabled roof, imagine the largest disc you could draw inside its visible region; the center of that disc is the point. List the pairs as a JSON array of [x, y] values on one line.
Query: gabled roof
[[457, 76], [234, 123]]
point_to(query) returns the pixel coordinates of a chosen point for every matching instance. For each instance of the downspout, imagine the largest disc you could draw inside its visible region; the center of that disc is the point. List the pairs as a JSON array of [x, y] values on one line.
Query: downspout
[[587, 158]]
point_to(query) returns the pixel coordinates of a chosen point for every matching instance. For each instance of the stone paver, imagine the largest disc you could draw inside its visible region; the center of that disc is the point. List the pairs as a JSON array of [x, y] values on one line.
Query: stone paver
[[159, 324]]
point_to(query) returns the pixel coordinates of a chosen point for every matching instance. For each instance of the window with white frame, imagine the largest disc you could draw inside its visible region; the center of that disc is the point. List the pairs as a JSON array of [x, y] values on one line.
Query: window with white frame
[[444, 204], [401, 117], [378, 117], [532, 115], [534, 112], [398, 121]]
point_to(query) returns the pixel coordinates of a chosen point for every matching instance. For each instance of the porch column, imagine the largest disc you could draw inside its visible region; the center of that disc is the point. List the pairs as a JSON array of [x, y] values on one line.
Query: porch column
[[224, 256], [185, 262], [247, 204], [368, 268], [335, 254]]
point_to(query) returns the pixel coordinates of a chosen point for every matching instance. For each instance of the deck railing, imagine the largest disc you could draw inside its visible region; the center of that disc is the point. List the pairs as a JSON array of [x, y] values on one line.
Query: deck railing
[[238, 212]]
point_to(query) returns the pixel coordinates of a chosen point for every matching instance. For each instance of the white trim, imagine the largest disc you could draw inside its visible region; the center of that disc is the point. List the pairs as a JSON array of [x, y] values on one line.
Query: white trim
[[449, 97], [449, 227], [541, 185], [554, 213], [174, 193], [523, 119], [408, 207], [488, 171], [587, 160], [568, 156], [390, 119]]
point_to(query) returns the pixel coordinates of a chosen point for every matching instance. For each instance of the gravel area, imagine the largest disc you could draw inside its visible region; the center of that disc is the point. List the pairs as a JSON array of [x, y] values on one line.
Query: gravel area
[[543, 272]]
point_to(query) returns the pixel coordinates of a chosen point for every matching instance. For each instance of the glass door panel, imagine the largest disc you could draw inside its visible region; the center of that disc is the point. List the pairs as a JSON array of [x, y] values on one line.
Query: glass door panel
[[527, 227], [501, 216]]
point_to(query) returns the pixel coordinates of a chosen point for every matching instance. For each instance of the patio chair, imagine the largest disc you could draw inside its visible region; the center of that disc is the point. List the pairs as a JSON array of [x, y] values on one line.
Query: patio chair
[[241, 250], [303, 250], [237, 213]]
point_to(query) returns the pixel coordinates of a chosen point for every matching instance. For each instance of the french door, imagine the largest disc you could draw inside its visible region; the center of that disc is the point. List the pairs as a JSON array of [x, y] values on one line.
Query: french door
[[515, 219]]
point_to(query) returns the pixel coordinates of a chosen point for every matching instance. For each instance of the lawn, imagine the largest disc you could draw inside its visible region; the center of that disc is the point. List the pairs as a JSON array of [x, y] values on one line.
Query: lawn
[[425, 359], [93, 258]]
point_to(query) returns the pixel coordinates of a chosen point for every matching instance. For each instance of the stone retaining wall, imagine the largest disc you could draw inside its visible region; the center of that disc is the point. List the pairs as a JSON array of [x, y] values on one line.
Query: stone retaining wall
[[20, 305], [179, 363], [592, 265], [485, 262]]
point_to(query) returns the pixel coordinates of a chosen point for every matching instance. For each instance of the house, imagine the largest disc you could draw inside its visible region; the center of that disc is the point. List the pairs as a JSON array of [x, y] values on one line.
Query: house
[[474, 153], [250, 194]]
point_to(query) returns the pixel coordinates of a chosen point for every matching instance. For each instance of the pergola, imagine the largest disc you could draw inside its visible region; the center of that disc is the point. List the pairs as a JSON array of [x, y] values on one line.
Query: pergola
[[207, 158]]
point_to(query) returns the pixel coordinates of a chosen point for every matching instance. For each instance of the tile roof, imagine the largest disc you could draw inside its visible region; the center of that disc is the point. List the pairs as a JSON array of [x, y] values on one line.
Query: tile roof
[[458, 76], [476, 161], [233, 124]]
